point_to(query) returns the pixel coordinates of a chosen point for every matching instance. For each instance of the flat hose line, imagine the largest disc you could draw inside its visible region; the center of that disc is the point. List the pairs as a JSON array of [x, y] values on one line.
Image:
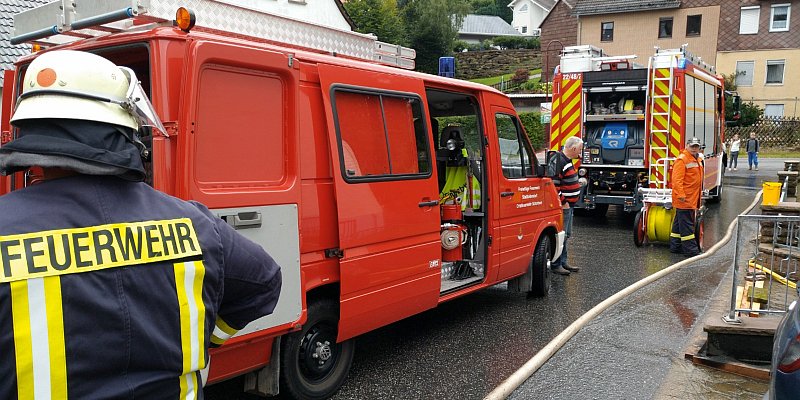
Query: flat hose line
[[519, 377]]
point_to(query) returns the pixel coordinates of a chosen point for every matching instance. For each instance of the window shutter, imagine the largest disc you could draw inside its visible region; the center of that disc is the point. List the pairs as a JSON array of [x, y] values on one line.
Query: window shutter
[[749, 20]]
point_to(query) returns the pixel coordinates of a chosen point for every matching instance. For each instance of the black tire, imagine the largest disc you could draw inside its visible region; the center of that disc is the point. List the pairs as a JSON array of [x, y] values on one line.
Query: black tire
[[540, 268], [639, 234], [304, 375]]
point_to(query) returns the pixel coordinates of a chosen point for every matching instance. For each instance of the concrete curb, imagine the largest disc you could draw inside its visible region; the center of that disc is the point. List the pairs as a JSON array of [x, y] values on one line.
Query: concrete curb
[[519, 377]]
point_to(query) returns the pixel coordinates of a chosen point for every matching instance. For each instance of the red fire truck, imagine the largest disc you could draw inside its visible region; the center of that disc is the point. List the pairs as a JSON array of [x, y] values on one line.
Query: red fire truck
[[381, 192], [634, 121]]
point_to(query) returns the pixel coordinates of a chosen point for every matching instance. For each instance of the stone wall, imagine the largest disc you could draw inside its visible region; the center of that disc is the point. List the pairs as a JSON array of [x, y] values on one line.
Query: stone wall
[[481, 64]]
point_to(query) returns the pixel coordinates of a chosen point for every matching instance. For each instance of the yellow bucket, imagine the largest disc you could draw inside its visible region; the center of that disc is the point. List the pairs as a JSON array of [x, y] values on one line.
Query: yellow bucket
[[772, 193]]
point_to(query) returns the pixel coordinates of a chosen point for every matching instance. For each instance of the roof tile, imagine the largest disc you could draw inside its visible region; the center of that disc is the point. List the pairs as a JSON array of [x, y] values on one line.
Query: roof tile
[[594, 7]]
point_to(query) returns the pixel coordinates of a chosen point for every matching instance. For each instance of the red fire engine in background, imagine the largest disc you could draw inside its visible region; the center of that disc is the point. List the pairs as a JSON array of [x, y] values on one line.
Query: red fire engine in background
[[353, 175], [634, 121]]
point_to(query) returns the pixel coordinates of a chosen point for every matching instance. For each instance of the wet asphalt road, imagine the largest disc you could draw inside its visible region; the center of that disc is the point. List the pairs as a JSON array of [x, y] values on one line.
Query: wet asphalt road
[[466, 347]]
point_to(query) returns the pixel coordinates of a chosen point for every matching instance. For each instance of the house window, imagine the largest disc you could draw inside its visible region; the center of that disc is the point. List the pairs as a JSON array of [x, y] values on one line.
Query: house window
[[779, 18], [748, 20], [606, 31], [775, 72], [693, 23], [524, 29], [744, 73], [665, 27], [524, 8], [773, 110]]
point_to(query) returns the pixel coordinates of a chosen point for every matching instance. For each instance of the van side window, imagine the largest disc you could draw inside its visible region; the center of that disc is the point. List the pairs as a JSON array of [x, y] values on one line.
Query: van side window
[[516, 154], [380, 134]]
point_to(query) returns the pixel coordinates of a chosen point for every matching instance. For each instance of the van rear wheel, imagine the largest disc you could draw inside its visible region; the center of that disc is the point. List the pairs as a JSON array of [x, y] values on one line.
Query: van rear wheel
[[313, 365], [540, 268]]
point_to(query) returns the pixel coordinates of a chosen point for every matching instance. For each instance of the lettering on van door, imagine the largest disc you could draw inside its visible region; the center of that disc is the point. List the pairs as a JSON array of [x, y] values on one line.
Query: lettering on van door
[[529, 196]]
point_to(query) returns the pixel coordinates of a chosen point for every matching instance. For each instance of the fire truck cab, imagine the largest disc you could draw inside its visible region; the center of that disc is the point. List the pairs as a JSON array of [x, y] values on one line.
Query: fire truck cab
[[381, 192], [635, 119]]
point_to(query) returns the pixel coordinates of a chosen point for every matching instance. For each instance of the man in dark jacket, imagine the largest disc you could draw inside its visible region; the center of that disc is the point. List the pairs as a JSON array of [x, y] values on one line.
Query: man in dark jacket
[[751, 146], [109, 288], [565, 178]]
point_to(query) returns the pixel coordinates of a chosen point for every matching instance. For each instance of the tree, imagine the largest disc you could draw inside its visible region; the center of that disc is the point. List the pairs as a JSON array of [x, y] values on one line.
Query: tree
[[749, 112], [493, 7], [433, 28], [379, 17]]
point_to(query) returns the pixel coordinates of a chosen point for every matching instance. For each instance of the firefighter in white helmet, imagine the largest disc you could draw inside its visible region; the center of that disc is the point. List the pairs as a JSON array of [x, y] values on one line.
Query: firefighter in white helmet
[[109, 288]]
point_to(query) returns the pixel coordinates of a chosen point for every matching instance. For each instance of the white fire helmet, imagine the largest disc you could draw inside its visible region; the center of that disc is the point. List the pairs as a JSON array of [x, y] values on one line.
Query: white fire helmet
[[67, 84]]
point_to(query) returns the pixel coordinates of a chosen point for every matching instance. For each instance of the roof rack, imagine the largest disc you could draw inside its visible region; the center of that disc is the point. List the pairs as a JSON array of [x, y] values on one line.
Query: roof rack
[[683, 53], [65, 21]]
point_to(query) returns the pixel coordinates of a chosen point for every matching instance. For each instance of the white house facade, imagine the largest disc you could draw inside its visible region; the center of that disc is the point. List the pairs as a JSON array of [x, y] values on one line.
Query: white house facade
[[320, 12], [529, 14]]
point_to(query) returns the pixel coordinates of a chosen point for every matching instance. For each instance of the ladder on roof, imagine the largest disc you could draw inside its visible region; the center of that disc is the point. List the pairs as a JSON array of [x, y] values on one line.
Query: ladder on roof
[[65, 21], [659, 138]]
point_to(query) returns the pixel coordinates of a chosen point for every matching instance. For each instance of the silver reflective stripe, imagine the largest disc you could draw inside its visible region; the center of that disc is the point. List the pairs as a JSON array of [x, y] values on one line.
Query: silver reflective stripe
[[39, 339], [189, 287]]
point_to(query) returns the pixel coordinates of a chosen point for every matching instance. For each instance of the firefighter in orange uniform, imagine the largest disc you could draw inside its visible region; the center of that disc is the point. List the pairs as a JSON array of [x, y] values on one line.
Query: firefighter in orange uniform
[[687, 184]]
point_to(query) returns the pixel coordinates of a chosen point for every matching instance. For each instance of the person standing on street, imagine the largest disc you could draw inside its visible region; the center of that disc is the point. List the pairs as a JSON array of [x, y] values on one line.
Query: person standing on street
[[565, 179], [109, 288], [687, 184], [733, 160], [752, 151]]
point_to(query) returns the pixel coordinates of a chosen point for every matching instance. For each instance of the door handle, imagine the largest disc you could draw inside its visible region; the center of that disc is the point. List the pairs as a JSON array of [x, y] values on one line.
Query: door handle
[[245, 220], [428, 203], [506, 194]]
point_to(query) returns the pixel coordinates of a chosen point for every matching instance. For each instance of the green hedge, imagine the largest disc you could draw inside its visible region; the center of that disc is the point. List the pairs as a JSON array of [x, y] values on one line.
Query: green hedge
[[533, 127], [531, 121]]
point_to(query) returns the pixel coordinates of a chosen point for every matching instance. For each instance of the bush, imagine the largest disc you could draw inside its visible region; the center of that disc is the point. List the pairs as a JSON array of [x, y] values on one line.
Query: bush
[[460, 45], [520, 76], [750, 113], [532, 123], [515, 42]]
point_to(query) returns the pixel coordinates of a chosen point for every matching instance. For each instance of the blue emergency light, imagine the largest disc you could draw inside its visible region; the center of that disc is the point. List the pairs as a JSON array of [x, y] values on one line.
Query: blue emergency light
[[447, 67]]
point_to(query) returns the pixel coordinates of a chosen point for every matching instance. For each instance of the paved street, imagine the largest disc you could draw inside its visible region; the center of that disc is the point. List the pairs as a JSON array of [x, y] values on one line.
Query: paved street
[[466, 347]]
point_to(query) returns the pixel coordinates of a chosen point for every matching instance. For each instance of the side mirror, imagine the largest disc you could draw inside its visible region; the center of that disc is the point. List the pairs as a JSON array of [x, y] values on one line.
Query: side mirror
[[539, 170], [551, 164]]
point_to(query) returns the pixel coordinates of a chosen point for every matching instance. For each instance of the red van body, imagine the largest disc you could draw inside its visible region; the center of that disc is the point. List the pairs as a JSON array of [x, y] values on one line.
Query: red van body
[[339, 168]]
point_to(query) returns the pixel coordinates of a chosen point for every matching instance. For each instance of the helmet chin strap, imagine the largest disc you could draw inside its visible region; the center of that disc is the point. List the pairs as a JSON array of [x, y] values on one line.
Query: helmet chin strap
[[134, 139]]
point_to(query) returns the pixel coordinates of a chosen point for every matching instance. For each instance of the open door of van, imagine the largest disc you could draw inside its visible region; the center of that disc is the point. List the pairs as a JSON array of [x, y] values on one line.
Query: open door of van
[[387, 196]]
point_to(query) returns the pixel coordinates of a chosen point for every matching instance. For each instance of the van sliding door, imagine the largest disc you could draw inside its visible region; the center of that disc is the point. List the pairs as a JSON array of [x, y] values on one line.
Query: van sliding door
[[387, 196]]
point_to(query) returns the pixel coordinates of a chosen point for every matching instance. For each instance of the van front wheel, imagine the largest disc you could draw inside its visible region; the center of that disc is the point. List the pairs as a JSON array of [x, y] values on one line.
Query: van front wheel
[[313, 365], [540, 268]]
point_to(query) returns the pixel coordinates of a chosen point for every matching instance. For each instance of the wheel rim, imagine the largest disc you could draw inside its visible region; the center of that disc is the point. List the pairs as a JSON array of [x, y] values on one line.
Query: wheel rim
[[700, 235], [640, 230], [318, 352], [547, 257]]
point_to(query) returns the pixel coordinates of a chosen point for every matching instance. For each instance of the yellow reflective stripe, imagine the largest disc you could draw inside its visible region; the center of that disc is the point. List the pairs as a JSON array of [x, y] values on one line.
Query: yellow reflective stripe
[[38, 318], [189, 287], [23, 348], [189, 387], [675, 235], [685, 238], [222, 332], [55, 335], [70, 251]]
